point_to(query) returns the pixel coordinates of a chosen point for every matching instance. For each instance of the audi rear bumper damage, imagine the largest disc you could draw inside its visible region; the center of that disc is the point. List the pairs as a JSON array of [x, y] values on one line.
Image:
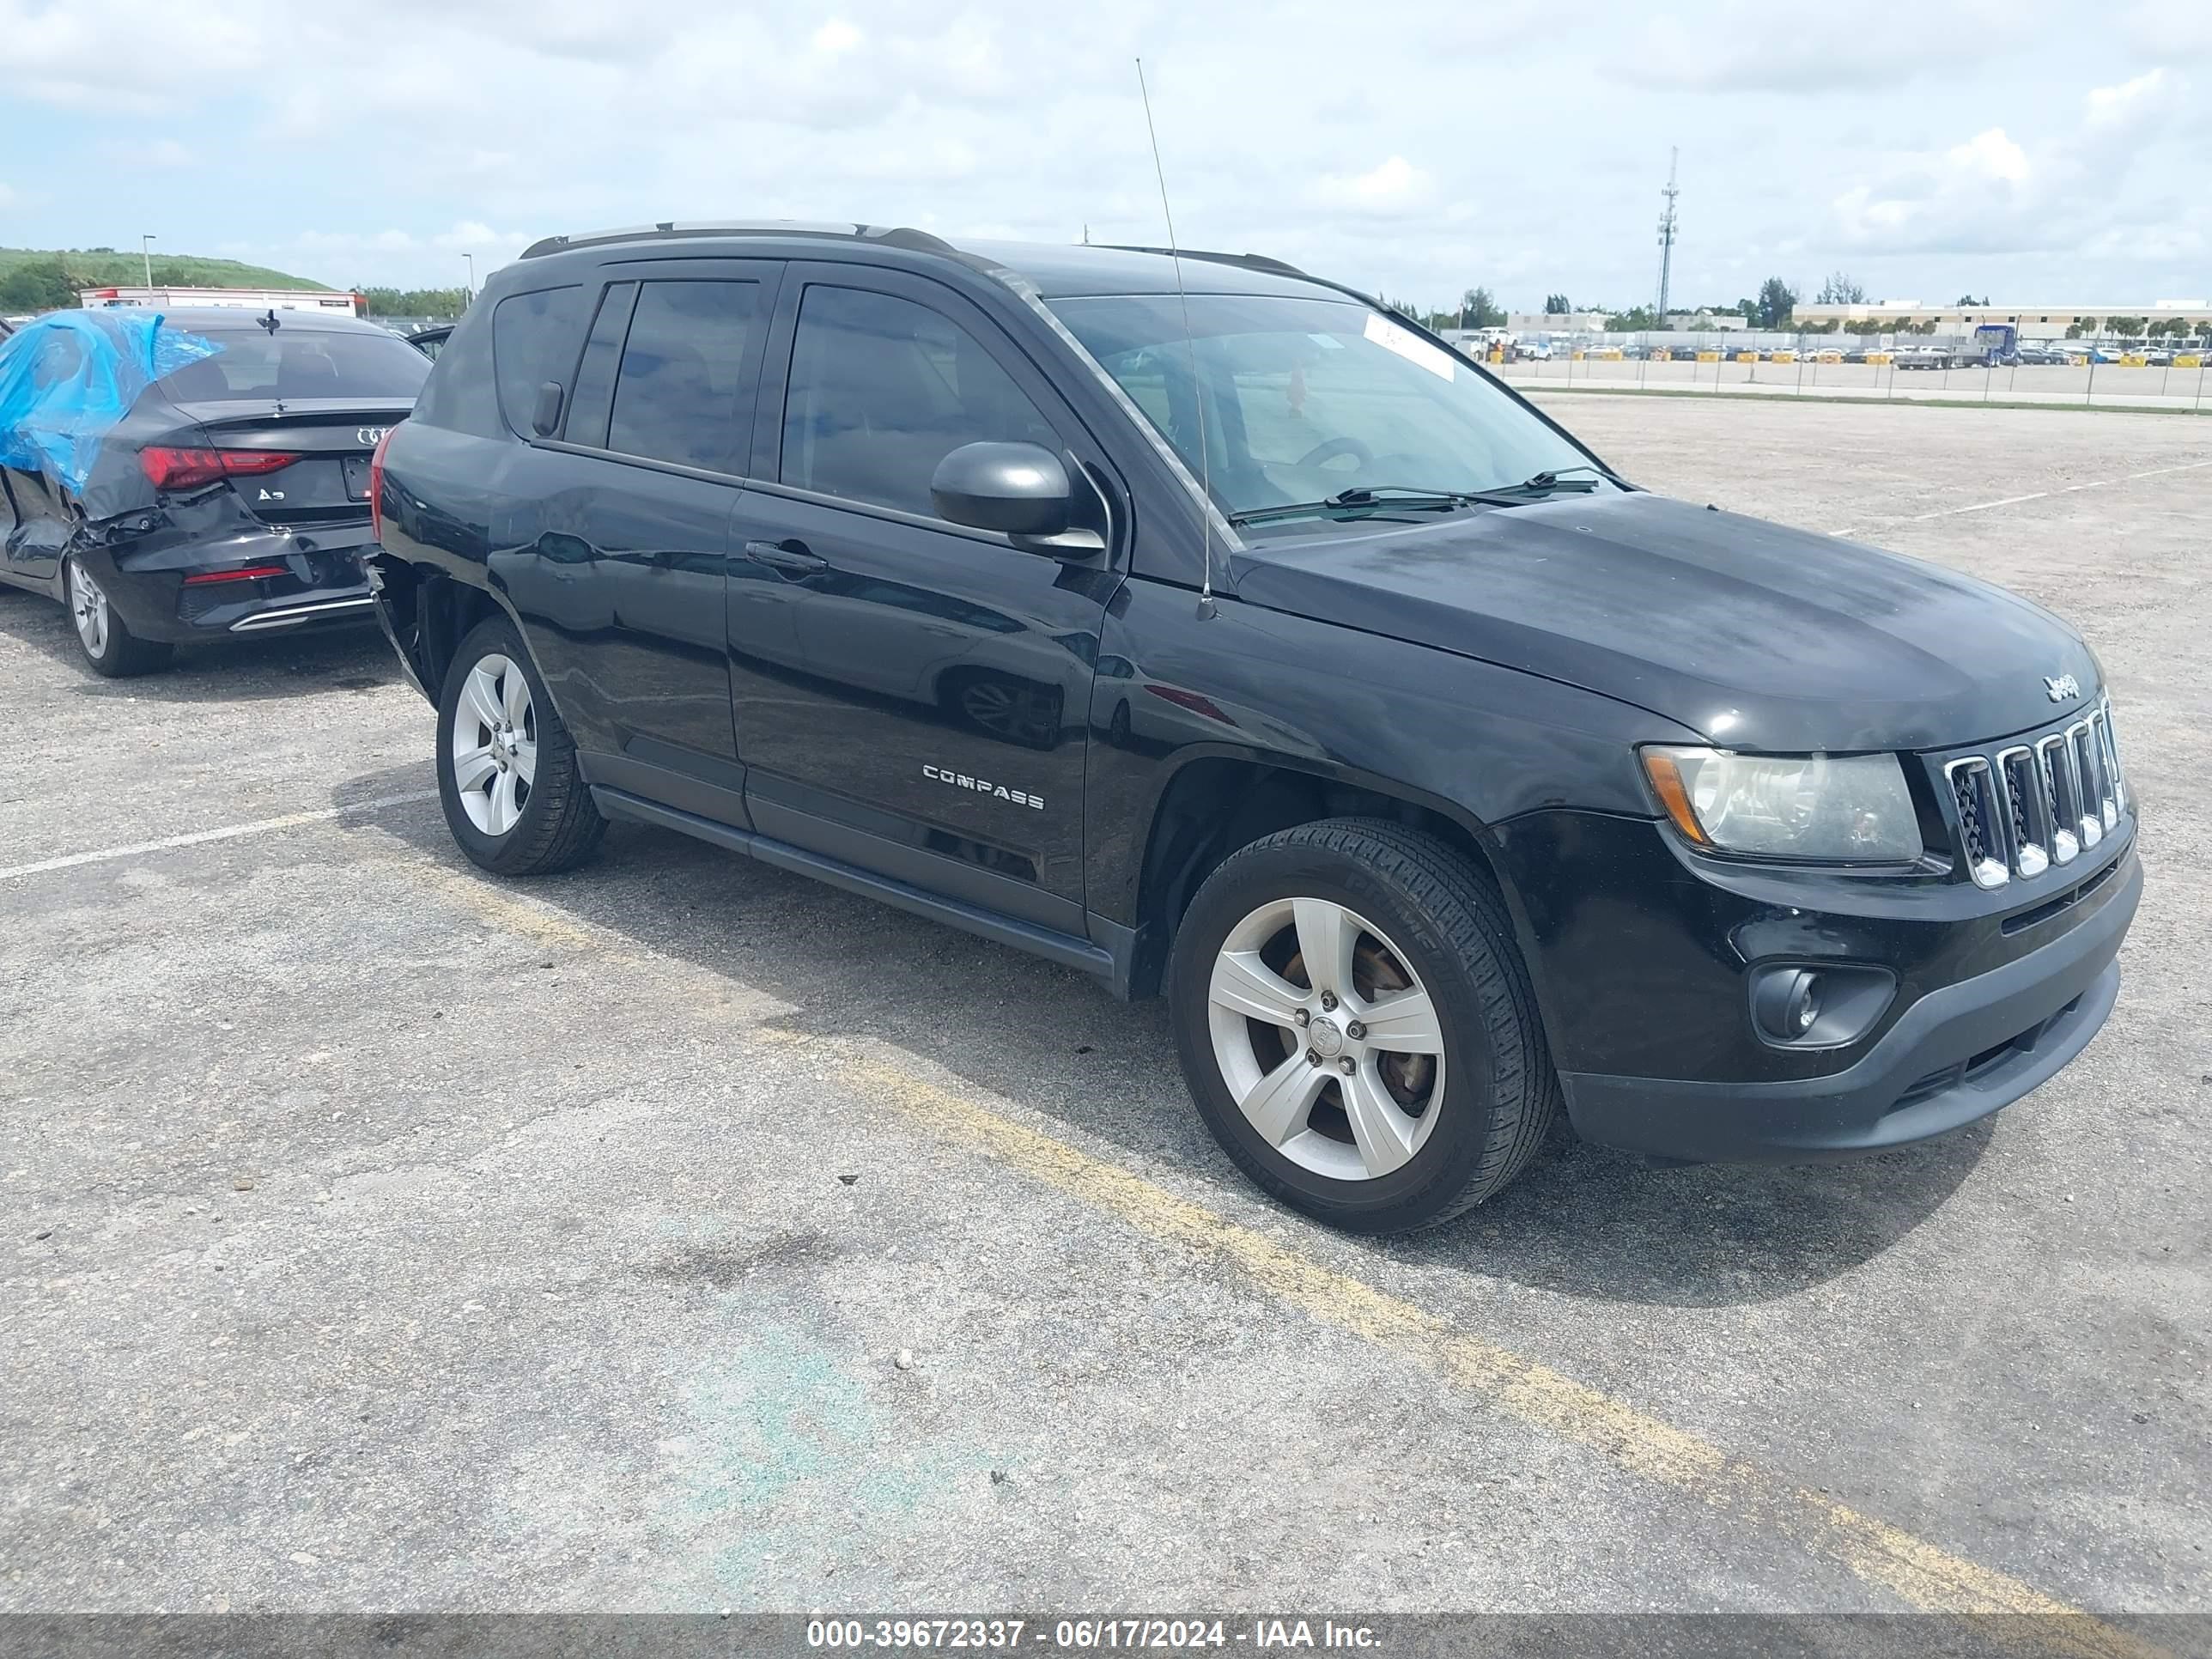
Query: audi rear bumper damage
[[249, 579]]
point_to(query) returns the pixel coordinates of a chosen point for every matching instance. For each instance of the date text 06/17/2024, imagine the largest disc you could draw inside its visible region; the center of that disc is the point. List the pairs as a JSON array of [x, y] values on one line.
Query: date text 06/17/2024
[[1088, 1635]]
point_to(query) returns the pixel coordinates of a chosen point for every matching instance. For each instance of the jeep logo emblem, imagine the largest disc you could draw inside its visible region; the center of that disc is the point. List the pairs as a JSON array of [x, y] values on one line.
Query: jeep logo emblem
[[2061, 688]]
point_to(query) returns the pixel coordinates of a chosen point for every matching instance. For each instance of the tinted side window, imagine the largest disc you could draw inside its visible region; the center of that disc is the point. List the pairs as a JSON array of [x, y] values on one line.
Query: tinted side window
[[681, 394], [595, 376], [882, 390], [535, 338], [459, 394]]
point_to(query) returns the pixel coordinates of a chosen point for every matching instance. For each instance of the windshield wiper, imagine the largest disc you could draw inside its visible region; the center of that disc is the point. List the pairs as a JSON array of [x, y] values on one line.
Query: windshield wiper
[[1550, 482], [1363, 496], [1418, 497]]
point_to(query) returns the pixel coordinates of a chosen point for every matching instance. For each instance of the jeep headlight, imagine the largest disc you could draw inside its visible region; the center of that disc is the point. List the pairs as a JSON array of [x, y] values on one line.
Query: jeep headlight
[[1812, 808]]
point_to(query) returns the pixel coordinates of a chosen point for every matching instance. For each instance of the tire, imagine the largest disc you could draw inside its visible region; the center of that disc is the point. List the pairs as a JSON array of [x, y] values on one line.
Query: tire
[[1416, 910], [109, 647], [514, 799]]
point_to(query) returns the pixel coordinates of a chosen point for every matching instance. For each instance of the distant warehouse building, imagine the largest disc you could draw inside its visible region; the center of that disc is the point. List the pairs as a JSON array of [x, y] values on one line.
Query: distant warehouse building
[[245, 298], [1556, 322], [2033, 322]]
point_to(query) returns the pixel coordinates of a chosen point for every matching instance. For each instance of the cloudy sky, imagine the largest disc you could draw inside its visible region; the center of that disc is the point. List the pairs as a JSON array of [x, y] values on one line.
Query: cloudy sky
[[2043, 150]]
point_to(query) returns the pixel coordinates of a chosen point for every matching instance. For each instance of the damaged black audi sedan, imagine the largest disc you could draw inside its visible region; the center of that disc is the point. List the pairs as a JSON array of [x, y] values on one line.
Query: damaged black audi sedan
[[194, 474]]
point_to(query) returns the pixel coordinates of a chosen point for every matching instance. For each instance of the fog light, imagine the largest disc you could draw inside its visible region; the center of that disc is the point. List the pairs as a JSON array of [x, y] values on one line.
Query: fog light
[[1786, 1003], [1798, 1006], [1808, 1003]]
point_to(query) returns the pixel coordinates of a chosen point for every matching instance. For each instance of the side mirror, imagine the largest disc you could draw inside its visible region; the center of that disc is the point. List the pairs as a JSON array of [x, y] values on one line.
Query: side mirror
[[1021, 489]]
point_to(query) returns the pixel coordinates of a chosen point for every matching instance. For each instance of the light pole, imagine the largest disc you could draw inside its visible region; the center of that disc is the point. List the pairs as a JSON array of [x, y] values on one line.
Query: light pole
[[146, 252], [469, 293]]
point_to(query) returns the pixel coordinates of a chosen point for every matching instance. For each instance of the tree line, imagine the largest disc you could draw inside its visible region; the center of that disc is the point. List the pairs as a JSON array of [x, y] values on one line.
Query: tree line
[[414, 301]]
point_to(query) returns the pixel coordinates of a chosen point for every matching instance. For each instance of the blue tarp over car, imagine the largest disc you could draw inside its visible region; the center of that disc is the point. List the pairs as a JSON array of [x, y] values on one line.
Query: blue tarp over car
[[67, 378]]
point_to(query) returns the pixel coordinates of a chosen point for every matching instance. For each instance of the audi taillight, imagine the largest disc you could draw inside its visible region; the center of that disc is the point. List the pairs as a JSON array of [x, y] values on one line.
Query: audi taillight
[[376, 486], [244, 573], [1197, 702], [188, 469]]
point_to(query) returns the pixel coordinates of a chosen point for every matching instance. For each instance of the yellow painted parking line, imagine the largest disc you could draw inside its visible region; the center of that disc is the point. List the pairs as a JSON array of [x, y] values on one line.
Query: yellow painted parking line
[[1922, 1574], [1919, 1573]]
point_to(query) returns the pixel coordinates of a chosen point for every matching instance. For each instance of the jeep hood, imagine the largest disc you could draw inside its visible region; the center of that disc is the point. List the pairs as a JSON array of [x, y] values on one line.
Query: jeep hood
[[1759, 636]]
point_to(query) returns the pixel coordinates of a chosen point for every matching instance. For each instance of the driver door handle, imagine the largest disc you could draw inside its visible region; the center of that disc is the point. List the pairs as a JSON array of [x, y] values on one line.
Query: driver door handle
[[786, 556]]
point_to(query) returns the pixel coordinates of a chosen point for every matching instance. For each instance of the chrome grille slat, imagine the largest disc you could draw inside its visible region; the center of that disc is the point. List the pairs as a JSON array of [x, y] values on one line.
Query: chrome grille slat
[[2025, 802], [1981, 821], [2031, 806], [2089, 788], [2056, 756], [2111, 747]]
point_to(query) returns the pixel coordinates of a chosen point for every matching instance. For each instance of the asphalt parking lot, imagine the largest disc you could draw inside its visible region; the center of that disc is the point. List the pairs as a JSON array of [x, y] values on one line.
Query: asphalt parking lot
[[382, 1237]]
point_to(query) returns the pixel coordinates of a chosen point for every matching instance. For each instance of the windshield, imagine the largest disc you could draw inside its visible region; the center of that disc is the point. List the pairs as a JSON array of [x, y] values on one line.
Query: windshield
[[297, 364], [1305, 399]]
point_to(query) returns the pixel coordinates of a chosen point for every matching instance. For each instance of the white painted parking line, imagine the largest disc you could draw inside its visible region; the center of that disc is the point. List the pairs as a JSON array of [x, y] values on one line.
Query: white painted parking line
[[2032, 495], [228, 832]]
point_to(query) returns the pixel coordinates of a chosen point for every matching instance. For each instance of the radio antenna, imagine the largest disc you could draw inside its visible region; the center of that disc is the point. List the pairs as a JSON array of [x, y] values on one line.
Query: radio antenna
[[1190, 345]]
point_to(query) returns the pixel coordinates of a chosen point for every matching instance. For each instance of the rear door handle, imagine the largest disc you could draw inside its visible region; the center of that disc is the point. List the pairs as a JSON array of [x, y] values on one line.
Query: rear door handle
[[786, 556]]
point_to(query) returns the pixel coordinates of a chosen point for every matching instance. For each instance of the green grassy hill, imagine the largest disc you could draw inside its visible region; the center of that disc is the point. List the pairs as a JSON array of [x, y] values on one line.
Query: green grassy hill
[[100, 267]]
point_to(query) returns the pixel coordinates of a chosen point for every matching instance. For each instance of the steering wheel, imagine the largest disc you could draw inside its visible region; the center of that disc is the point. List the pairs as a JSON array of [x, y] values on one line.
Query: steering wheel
[[1329, 448]]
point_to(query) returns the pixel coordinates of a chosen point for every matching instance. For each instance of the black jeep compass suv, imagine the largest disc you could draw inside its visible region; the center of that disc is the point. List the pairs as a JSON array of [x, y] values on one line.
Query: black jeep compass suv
[[1194, 622]]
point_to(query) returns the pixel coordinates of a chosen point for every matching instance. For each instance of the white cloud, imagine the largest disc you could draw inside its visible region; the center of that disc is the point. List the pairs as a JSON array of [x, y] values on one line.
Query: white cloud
[[2112, 107], [1395, 186], [1992, 194], [7, 194], [2178, 31], [1730, 45], [1991, 156], [1465, 146]]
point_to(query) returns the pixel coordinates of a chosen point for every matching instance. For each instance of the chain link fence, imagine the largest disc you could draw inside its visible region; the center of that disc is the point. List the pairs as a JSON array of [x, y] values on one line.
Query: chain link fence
[[2160, 373]]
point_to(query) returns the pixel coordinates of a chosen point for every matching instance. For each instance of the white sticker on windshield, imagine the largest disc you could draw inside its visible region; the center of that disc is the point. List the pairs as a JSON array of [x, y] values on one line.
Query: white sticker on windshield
[[1328, 341], [1410, 346]]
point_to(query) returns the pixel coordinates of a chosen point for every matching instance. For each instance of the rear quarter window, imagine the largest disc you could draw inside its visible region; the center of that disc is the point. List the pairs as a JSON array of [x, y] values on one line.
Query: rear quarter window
[[458, 397], [536, 337]]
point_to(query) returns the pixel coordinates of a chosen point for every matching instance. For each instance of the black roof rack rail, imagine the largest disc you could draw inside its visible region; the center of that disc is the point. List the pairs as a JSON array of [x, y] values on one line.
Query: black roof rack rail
[[902, 236], [1250, 261]]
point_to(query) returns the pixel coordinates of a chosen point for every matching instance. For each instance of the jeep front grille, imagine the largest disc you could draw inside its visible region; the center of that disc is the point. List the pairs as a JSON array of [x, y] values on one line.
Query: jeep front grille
[[2036, 806]]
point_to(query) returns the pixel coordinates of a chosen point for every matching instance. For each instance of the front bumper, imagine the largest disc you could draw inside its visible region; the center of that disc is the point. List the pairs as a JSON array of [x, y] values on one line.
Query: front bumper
[[323, 585], [1956, 1054], [1642, 966]]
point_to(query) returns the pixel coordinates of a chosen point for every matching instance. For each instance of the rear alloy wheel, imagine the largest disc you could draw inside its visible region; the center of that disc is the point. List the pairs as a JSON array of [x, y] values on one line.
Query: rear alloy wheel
[[109, 646], [494, 745], [507, 770], [1355, 1023]]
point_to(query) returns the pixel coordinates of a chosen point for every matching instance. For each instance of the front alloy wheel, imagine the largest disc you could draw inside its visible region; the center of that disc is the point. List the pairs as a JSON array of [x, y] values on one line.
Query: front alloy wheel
[[1327, 1039], [1356, 1024]]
